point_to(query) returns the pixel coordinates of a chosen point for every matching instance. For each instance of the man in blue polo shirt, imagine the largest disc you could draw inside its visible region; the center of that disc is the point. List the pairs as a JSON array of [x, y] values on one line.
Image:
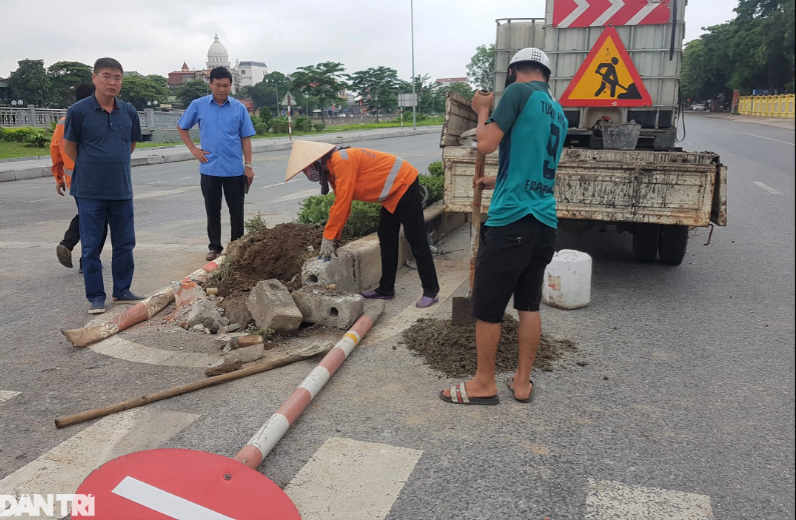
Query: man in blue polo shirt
[[225, 131], [100, 133]]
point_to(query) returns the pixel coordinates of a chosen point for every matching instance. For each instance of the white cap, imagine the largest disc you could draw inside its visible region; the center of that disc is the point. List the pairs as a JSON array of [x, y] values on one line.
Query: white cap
[[531, 54]]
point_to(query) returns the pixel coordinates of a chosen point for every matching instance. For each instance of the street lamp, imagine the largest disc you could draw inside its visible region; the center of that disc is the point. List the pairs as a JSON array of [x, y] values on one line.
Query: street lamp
[[414, 94]]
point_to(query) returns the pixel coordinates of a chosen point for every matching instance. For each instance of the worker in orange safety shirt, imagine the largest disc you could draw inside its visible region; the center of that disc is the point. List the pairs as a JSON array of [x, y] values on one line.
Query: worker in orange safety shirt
[[62, 171], [371, 176]]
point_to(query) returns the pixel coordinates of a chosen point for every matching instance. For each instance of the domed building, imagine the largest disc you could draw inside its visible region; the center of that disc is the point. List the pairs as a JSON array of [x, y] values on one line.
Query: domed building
[[217, 55]]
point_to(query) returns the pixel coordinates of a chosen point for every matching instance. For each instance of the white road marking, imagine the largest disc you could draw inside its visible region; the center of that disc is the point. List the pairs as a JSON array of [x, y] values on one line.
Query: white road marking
[[766, 187], [183, 178], [39, 200], [299, 195], [164, 193], [164, 502], [63, 468], [5, 395], [609, 500], [157, 182], [281, 183], [770, 139], [351, 480], [120, 348]]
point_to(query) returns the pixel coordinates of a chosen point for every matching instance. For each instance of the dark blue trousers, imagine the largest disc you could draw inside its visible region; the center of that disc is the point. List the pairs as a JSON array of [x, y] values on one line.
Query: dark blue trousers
[[119, 217]]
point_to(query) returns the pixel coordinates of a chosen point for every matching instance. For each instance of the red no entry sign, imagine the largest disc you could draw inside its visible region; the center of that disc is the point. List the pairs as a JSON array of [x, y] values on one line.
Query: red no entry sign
[[184, 485]]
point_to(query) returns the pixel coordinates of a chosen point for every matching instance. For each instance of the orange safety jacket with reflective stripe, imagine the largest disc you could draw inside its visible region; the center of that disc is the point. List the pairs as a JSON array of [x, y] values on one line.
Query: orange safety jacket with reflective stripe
[[62, 165], [368, 176]]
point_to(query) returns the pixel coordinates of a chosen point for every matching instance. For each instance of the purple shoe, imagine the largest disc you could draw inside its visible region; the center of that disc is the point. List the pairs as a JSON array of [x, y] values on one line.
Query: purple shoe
[[373, 295], [426, 301]]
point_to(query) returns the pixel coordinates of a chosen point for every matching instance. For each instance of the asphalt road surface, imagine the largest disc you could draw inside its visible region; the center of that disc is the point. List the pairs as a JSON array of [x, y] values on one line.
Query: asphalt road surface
[[684, 408]]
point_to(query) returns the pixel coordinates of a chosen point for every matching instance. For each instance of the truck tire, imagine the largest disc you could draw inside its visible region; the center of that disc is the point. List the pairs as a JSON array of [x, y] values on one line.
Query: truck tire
[[674, 241], [646, 239]]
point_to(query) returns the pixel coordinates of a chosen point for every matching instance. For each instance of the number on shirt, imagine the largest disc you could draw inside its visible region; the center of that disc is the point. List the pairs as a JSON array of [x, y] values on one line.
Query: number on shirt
[[552, 147]]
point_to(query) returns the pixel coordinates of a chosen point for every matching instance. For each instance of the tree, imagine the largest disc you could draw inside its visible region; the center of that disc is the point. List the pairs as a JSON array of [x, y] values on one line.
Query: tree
[[31, 83], [157, 78], [321, 81], [192, 90], [138, 91], [481, 69], [378, 87], [65, 76], [270, 91]]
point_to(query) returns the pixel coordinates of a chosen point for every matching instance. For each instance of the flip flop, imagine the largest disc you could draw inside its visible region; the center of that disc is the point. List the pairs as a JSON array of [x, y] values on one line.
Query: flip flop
[[459, 396], [528, 399]]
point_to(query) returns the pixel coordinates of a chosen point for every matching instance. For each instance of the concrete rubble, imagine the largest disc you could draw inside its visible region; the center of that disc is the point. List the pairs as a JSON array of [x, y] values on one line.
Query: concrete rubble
[[329, 308], [195, 311], [341, 270], [272, 307]]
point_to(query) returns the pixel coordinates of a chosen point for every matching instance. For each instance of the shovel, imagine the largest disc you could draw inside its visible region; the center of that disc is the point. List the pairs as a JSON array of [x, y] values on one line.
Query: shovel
[[463, 306]]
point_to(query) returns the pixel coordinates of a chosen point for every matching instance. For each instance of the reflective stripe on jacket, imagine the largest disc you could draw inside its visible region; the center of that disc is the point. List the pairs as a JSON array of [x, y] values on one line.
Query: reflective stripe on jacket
[[62, 165], [368, 176]]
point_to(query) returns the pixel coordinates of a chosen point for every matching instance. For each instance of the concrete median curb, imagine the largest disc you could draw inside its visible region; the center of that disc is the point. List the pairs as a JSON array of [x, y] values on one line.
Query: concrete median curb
[[358, 264], [22, 171]]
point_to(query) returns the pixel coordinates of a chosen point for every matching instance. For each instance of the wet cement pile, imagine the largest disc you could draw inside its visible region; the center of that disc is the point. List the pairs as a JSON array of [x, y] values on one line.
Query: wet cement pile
[[451, 349], [278, 252]]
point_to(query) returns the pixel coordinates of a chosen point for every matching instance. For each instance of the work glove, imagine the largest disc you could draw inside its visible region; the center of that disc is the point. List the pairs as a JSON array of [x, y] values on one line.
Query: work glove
[[328, 248]]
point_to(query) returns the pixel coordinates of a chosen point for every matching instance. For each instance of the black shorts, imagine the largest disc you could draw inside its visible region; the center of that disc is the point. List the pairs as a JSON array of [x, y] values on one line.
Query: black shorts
[[511, 260]]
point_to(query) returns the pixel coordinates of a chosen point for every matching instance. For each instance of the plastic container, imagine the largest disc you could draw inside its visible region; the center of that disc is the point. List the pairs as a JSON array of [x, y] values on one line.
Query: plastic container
[[620, 136], [567, 280]]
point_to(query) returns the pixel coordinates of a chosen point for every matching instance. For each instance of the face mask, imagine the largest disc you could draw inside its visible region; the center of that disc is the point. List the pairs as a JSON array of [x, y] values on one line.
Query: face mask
[[312, 172]]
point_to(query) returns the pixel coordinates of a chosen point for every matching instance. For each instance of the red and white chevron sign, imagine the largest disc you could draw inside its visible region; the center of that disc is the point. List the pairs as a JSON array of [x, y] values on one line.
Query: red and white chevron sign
[[599, 13]]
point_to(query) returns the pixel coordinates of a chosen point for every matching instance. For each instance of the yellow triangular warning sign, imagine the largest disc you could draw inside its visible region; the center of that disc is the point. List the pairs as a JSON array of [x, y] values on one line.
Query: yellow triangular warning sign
[[607, 77]]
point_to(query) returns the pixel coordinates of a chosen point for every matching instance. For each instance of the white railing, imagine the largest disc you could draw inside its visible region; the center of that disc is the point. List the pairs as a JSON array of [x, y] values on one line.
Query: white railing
[[44, 117]]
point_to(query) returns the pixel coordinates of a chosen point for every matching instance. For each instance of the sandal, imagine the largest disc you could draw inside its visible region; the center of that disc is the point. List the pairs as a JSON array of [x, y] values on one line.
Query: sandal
[[459, 396], [528, 399]]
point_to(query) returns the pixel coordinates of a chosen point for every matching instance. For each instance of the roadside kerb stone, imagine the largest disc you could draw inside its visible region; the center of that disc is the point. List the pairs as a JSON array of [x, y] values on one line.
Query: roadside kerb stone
[[205, 313], [329, 308], [365, 255], [272, 307], [171, 154]]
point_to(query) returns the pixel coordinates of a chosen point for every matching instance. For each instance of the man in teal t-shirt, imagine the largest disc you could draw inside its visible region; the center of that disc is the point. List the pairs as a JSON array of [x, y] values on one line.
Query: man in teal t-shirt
[[518, 239]]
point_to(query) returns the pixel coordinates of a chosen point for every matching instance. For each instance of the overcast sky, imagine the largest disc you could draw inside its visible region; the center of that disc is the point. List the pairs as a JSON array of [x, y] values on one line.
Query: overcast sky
[[156, 36]]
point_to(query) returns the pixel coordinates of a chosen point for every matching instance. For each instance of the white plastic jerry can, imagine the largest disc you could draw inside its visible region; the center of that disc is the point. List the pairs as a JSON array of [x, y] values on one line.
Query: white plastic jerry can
[[567, 280]]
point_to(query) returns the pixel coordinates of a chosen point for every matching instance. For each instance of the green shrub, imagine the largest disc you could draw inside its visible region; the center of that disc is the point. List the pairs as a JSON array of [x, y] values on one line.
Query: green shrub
[[37, 137], [22, 134], [435, 169], [318, 127], [279, 125], [255, 224], [302, 124], [261, 128], [364, 218], [435, 187]]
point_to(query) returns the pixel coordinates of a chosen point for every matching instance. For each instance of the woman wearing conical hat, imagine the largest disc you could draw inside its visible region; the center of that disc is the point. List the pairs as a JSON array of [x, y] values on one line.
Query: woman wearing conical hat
[[371, 176]]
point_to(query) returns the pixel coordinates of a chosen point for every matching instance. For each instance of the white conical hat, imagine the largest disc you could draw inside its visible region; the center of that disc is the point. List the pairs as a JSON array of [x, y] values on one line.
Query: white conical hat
[[303, 154]]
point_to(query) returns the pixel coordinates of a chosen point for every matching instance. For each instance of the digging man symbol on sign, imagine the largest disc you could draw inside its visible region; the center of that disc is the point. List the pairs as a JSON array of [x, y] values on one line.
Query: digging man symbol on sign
[[610, 78]]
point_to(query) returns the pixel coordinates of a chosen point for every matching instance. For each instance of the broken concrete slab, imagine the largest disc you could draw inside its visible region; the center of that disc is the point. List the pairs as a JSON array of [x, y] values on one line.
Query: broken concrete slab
[[236, 343], [329, 308], [205, 313], [236, 309], [272, 307], [245, 354], [341, 270]]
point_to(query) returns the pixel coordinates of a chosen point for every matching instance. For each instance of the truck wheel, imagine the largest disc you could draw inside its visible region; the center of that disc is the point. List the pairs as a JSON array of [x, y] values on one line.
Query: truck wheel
[[646, 238], [674, 240]]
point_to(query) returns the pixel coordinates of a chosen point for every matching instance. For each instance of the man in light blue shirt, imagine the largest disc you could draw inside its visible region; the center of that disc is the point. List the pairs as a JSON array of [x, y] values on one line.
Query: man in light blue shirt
[[225, 131]]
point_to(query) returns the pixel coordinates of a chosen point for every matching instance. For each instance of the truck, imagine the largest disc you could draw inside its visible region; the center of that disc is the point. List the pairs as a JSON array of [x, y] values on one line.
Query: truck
[[655, 191]]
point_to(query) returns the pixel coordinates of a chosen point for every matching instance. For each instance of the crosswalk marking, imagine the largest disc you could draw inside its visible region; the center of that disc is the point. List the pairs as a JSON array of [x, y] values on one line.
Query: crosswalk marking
[[766, 187], [120, 348], [351, 480], [5, 395], [609, 500], [63, 468]]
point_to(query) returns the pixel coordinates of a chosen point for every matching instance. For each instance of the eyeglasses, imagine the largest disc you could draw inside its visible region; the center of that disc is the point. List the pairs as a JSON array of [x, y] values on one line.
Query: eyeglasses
[[109, 78]]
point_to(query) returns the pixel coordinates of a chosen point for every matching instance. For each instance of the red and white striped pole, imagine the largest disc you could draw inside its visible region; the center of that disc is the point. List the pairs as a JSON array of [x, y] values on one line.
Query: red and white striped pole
[[289, 121], [269, 434]]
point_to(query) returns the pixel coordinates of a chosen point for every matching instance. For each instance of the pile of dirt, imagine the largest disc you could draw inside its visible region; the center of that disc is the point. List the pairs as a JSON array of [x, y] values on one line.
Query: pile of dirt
[[278, 252], [450, 349]]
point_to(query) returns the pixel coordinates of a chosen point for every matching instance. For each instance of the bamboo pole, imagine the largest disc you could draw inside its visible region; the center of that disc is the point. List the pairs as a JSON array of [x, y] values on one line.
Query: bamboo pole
[[313, 350]]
